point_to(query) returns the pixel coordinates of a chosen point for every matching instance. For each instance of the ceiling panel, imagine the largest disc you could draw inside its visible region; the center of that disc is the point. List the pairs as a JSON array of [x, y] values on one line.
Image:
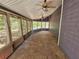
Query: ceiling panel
[[29, 8]]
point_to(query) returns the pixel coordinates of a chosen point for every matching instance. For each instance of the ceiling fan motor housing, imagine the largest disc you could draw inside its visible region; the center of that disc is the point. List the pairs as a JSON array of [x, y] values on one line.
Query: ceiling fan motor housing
[[44, 5]]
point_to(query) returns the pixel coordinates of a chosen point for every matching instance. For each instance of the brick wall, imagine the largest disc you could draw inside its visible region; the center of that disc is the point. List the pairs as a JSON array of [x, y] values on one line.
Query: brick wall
[[5, 52], [69, 38]]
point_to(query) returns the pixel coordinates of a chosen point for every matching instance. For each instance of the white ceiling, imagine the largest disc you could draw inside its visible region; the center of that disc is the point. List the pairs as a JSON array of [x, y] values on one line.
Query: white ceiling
[[29, 8]]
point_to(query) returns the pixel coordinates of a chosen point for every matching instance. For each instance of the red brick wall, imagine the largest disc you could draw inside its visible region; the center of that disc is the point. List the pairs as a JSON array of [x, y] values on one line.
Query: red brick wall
[[5, 52]]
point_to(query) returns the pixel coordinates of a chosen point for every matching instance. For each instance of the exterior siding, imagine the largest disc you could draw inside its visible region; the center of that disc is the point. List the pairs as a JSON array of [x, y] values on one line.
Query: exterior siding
[[55, 20], [69, 37]]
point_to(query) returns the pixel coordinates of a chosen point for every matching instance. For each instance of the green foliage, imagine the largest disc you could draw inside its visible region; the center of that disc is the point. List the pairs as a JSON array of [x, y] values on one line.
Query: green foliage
[[24, 26], [15, 23], [1, 23], [34, 24], [38, 23]]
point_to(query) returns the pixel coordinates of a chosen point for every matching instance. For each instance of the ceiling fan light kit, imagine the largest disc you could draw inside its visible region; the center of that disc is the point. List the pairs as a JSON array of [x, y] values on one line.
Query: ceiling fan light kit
[[45, 5]]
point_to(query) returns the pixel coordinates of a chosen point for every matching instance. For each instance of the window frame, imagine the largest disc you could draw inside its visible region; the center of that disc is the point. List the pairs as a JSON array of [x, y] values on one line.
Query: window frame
[[23, 20], [8, 31], [20, 36]]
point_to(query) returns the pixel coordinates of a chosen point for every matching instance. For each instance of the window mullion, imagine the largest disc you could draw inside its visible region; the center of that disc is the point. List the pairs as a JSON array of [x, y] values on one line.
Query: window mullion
[[45, 24], [21, 28], [27, 25], [41, 23], [37, 24], [7, 22]]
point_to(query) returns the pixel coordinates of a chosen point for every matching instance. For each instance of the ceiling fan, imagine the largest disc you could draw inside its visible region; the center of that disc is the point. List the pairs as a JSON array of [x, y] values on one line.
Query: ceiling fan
[[46, 4]]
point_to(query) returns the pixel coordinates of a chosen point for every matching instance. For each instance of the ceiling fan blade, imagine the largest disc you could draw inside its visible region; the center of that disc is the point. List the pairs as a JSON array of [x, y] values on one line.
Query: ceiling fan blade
[[39, 4], [39, 9], [50, 2], [51, 6]]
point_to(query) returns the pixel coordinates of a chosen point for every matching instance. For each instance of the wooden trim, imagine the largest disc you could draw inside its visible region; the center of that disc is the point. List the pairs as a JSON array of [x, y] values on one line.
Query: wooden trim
[[49, 25], [27, 25], [60, 22], [37, 24], [1, 12], [8, 27], [49, 22], [32, 25], [41, 23], [45, 24], [21, 27]]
